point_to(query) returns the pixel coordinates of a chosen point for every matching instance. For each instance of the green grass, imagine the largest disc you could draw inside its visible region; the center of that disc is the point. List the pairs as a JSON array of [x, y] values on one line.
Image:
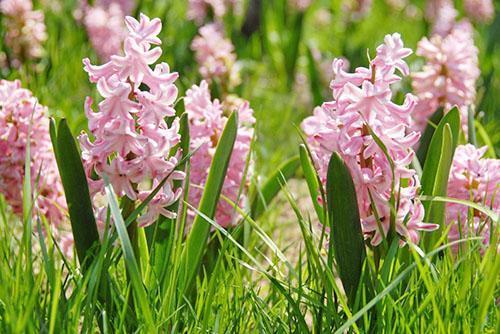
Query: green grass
[[274, 272]]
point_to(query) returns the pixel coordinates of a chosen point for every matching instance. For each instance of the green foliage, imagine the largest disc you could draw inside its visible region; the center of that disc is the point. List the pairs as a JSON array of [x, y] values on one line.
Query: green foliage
[[345, 225], [76, 191], [437, 168], [198, 236]]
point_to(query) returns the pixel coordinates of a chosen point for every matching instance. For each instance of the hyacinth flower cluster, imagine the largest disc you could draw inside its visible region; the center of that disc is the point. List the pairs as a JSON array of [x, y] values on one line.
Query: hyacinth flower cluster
[[442, 15], [207, 119], [104, 22], [477, 179], [23, 119], [215, 56], [25, 30], [363, 103], [200, 10], [479, 10], [449, 75], [132, 141]]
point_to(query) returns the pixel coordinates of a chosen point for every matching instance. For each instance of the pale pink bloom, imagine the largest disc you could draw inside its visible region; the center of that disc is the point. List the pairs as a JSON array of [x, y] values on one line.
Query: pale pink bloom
[[215, 55], [198, 10], [442, 15], [477, 179], [300, 5], [133, 142], [104, 22], [25, 29], [449, 75], [21, 116], [363, 100], [357, 8], [479, 10], [207, 119]]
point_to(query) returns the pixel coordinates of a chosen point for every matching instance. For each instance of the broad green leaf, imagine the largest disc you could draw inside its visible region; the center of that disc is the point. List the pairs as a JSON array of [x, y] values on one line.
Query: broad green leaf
[[437, 167], [129, 257], [76, 191], [345, 224], [425, 140], [272, 186], [198, 236], [435, 211]]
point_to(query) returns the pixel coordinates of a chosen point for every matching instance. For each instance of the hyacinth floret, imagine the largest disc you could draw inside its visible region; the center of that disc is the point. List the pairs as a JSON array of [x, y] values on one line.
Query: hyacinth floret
[[132, 139], [363, 103]]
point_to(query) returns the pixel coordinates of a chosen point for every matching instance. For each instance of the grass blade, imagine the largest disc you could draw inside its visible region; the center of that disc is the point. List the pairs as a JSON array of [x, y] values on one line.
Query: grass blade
[[129, 256], [273, 185]]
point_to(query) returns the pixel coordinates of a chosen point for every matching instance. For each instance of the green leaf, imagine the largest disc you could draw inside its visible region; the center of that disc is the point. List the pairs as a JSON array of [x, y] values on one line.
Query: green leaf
[[425, 140], [345, 224], [471, 126], [76, 191], [273, 185], [197, 238], [312, 180], [314, 78], [437, 168], [291, 52]]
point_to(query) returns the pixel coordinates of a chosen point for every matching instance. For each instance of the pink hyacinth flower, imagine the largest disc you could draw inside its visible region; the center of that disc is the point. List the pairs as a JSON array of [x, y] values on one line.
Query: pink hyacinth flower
[[207, 119], [133, 142], [22, 117], [477, 179], [25, 30], [449, 75], [363, 101]]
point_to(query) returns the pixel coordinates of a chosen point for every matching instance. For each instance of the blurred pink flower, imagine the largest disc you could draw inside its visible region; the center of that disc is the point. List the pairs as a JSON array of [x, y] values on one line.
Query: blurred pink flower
[[300, 5], [442, 15], [25, 29], [215, 55], [362, 100], [475, 179], [20, 110], [479, 10], [449, 75], [132, 139], [207, 119], [104, 22], [357, 9], [198, 10]]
